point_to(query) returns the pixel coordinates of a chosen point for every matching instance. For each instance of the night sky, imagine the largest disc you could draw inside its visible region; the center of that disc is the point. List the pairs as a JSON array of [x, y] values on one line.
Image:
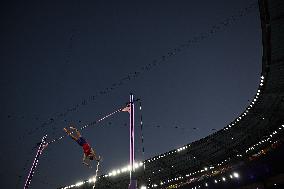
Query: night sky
[[193, 65]]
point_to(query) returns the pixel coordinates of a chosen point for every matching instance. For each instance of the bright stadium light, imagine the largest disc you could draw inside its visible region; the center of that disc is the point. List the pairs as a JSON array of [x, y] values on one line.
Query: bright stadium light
[[143, 187], [236, 175], [93, 179], [79, 183], [114, 172]]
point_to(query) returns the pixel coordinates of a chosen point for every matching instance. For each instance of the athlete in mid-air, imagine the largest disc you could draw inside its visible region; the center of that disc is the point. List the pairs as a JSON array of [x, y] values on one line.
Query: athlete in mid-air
[[89, 153]]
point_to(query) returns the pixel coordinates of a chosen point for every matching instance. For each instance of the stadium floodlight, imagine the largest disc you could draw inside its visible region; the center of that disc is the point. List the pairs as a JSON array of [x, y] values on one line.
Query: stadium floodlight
[[114, 173], [93, 179], [79, 183], [224, 179], [143, 187], [236, 175]]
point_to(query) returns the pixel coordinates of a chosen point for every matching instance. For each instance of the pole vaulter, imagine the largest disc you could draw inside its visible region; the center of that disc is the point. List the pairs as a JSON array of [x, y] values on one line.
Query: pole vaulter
[[43, 144]]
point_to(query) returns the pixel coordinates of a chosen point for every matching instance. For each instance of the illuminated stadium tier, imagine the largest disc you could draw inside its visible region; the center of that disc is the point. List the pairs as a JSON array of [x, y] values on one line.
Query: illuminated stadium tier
[[242, 144]]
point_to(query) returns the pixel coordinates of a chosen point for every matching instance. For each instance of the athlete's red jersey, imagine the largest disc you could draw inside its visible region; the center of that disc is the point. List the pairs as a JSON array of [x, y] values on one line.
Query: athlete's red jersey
[[87, 149]]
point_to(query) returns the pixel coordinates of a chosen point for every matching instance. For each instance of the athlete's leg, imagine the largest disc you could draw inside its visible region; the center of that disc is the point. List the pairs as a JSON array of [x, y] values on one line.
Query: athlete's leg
[[93, 152], [86, 161]]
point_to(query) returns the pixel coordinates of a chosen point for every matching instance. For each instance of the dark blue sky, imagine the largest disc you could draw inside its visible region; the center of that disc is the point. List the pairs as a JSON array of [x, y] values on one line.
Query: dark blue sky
[[55, 55]]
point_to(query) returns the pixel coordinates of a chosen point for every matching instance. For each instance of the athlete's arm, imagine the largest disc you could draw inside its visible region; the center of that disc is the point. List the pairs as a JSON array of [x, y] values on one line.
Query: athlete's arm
[[77, 132], [69, 133]]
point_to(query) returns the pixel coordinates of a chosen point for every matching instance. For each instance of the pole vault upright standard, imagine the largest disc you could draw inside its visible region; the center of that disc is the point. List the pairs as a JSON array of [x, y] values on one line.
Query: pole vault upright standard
[[41, 147], [132, 184]]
